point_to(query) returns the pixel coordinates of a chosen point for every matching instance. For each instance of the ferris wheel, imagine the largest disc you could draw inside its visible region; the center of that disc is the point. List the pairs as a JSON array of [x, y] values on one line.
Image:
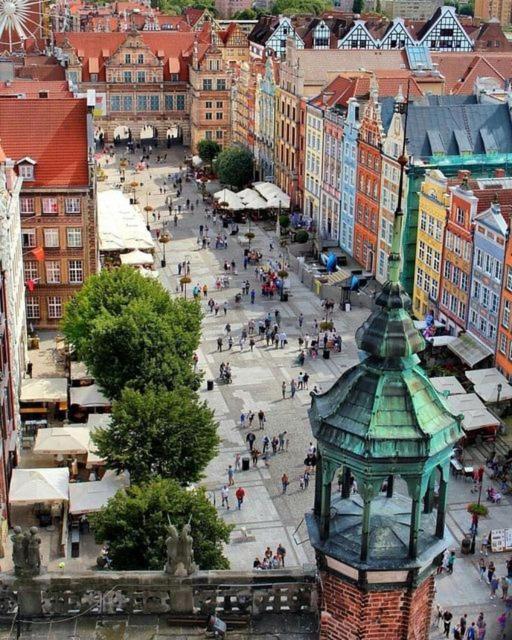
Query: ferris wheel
[[19, 20]]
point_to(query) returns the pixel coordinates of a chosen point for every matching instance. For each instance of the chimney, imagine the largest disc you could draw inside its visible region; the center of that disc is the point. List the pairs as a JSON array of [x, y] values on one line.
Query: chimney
[[463, 174], [10, 174], [499, 173]]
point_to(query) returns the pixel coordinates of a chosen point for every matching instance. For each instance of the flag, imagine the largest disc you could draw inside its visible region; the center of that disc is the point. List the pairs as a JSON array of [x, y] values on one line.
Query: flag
[[31, 285], [38, 253]]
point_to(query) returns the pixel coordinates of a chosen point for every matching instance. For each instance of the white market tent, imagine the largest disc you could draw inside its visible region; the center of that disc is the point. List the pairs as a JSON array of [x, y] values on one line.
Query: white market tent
[[89, 396], [44, 390], [30, 486], [470, 350], [272, 194], [79, 371], [486, 383], [448, 384], [90, 497], [252, 199], [137, 257], [66, 441], [230, 198], [98, 420], [120, 224], [475, 415]]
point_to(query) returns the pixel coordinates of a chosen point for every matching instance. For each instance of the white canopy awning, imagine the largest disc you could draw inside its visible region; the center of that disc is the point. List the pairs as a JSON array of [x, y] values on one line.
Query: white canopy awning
[[137, 257], [30, 486], [89, 396], [79, 371], [449, 384], [120, 224], [486, 383], [44, 390], [469, 349], [274, 196], [90, 497], [441, 341], [98, 420], [475, 415], [234, 203], [252, 199]]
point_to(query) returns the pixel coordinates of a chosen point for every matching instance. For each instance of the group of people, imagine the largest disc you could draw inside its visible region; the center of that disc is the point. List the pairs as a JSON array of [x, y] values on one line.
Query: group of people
[[271, 559], [461, 631]]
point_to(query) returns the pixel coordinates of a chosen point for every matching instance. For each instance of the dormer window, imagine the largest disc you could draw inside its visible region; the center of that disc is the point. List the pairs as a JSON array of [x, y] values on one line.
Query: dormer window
[[140, 58], [26, 167]]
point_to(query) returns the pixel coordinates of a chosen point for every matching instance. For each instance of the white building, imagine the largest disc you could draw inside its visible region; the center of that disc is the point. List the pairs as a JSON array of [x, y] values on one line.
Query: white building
[[11, 260]]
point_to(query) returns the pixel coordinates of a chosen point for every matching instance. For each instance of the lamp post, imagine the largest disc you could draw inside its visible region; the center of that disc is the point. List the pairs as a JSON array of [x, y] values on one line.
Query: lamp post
[[498, 389], [148, 208], [164, 238], [133, 187]]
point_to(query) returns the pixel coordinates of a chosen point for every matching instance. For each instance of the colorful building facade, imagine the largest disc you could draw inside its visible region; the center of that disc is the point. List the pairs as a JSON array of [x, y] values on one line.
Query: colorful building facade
[[348, 186]]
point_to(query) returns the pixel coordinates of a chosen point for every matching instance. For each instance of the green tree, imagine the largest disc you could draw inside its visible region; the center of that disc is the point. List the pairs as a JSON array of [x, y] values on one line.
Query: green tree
[[235, 166], [378, 7], [358, 6], [135, 523], [466, 10], [208, 150], [294, 7], [165, 433], [141, 348], [245, 14], [110, 291]]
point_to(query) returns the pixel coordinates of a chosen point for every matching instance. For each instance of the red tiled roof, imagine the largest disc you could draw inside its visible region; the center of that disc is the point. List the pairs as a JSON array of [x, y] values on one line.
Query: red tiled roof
[[455, 67], [192, 15], [32, 88], [52, 132]]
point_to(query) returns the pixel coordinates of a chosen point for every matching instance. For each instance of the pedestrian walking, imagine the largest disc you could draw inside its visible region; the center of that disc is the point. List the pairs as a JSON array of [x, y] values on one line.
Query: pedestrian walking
[[261, 418], [250, 438], [305, 380], [219, 343], [253, 296], [490, 571], [230, 342], [282, 437], [281, 553], [293, 388], [450, 562], [252, 343], [227, 329], [482, 568], [231, 476], [447, 621], [175, 219], [283, 389], [306, 479], [240, 495], [504, 587], [284, 482], [472, 632], [266, 443], [224, 494], [238, 462], [495, 583], [251, 418], [301, 320], [275, 444], [225, 307], [242, 419]]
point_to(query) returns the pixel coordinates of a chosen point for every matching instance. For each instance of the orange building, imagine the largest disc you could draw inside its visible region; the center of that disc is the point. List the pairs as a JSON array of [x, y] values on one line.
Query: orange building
[[368, 185], [504, 350]]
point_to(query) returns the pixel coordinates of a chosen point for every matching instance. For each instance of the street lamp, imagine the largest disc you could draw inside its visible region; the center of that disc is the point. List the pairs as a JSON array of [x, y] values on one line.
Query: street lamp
[[164, 238], [499, 389], [133, 187], [148, 208]]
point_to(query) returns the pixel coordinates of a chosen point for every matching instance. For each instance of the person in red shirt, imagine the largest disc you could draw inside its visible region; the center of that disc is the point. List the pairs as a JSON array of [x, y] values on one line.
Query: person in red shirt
[[240, 495]]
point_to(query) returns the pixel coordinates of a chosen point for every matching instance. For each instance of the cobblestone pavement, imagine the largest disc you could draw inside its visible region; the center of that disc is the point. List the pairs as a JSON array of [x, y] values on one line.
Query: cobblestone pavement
[[269, 517]]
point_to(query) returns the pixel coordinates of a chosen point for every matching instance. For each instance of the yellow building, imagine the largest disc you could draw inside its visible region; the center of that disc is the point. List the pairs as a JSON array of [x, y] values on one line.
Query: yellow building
[[313, 154], [433, 203]]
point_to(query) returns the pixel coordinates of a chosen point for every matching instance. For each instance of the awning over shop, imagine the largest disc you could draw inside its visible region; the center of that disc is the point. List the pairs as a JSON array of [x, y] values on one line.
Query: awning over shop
[[448, 384], [89, 396], [44, 390], [486, 383], [120, 224], [90, 497], [99, 420], [469, 349], [137, 257], [79, 371], [30, 486], [252, 199], [441, 341], [274, 196], [475, 415], [230, 198]]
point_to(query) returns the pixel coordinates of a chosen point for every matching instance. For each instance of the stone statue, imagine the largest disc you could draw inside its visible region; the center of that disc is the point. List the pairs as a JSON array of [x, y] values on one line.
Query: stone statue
[[33, 551], [180, 552], [26, 555], [172, 550]]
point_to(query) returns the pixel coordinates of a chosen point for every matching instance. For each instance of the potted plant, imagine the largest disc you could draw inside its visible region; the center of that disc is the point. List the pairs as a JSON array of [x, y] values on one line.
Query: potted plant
[[326, 325], [184, 280], [478, 509], [301, 236]]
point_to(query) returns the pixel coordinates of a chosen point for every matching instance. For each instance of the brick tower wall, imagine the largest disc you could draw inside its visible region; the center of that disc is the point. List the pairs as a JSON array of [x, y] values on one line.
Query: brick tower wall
[[349, 613]]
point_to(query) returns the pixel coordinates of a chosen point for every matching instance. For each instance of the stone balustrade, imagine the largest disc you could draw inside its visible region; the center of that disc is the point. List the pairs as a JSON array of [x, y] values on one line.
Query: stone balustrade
[[124, 593]]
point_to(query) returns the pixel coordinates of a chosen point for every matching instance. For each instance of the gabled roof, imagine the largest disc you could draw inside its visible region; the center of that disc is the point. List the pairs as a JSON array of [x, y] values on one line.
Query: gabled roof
[[264, 28], [462, 69], [33, 88], [53, 133]]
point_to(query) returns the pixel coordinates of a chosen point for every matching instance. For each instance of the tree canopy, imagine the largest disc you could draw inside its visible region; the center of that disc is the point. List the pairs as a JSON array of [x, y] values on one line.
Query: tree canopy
[[165, 433], [235, 166], [293, 7], [358, 6], [135, 524], [130, 333], [208, 150]]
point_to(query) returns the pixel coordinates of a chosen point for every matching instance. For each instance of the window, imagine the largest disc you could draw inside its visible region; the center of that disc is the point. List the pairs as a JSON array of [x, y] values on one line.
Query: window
[[26, 171], [423, 221], [31, 269], [498, 270], [485, 297], [479, 258], [503, 343], [207, 84], [154, 103], [51, 238], [142, 103], [219, 104], [54, 307], [219, 115], [115, 103], [488, 263], [127, 77], [476, 290], [505, 316], [52, 271], [208, 115], [27, 206], [494, 303], [75, 271], [175, 77], [169, 102], [74, 236], [208, 135], [219, 134], [32, 308], [72, 205], [464, 281], [50, 206], [180, 103], [127, 103], [461, 217], [28, 238], [221, 84], [509, 278], [462, 310], [140, 58], [209, 104], [94, 77], [127, 58], [141, 76]]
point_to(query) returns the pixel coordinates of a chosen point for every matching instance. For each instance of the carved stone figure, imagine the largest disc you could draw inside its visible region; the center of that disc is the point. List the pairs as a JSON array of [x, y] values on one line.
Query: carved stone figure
[[186, 550], [172, 550], [26, 555]]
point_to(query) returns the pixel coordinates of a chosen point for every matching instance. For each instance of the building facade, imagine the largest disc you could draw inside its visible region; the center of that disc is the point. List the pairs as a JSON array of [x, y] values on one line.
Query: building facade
[[490, 240], [265, 133], [348, 185], [504, 342], [331, 174], [368, 185], [287, 116], [57, 201], [434, 201], [501, 10], [314, 155]]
